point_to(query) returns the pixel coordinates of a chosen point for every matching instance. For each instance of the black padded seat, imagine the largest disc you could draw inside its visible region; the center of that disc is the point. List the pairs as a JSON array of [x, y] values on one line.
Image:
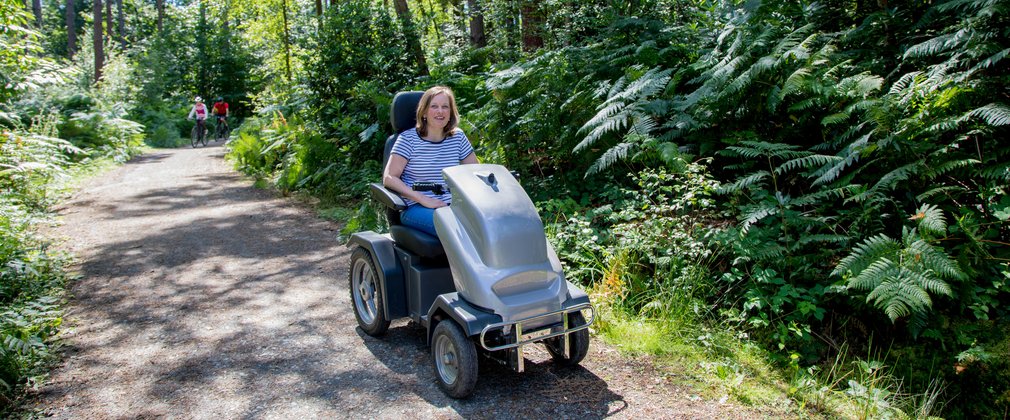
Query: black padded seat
[[403, 116], [418, 242]]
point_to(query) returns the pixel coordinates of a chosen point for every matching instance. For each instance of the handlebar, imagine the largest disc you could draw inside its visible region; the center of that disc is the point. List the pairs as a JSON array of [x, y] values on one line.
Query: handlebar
[[430, 186]]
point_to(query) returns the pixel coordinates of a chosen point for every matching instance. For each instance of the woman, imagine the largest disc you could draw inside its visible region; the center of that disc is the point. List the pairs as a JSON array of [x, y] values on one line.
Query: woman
[[200, 111], [420, 154]]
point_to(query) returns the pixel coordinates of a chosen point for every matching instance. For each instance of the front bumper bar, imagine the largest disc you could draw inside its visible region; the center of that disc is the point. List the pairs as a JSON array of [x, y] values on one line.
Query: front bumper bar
[[515, 328]]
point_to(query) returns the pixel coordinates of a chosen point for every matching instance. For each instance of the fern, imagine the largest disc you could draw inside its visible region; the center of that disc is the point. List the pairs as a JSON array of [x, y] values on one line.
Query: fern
[[807, 162], [994, 114], [930, 219], [901, 276], [756, 214], [745, 182]]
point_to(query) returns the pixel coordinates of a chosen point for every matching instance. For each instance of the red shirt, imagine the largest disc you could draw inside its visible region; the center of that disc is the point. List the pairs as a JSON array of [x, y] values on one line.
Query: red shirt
[[221, 108]]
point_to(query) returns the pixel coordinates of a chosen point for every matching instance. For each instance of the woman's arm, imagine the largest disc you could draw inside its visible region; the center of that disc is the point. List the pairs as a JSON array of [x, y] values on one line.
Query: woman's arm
[[391, 179], [469, 159]]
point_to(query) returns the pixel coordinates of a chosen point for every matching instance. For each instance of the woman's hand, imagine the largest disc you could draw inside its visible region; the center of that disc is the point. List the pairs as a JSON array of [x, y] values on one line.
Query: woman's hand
[[431, 203]]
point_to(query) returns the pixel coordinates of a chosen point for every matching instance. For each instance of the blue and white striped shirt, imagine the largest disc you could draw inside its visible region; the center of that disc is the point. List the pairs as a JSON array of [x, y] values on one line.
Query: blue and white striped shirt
[[425, 159]]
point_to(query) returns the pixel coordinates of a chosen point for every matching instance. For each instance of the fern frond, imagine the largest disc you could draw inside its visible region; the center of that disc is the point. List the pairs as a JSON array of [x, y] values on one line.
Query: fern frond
[[830, 173], [614, 123], [864, 254], [965, 5], [644, 125], [935, 260], [904, 82], [997, 172], [820, 196], [795, 82], [990, 62], [614, 154], [821, 238], [756, 214], [946, 190], [890, 179], [943, 168], [930, 47], [601, 116], [752, 149], [873, 276], [807, 162], [744, 182], [860, 85], [995, 114], [931, 219]]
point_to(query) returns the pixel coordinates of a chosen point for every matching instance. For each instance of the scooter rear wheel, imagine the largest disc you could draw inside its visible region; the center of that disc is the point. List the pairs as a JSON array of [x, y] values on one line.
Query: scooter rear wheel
[[578, 343], [365, 294], [455, 359]]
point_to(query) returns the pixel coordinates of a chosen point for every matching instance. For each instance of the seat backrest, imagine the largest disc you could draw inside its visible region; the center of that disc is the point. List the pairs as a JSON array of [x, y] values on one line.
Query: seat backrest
[[402, 116]]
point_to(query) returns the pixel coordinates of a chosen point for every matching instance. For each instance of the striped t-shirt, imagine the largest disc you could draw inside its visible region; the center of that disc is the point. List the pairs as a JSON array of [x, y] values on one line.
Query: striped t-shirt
[[425, 159]]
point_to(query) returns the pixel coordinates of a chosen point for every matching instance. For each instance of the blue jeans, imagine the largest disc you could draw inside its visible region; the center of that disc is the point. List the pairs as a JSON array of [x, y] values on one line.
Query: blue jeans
[[419, 217]]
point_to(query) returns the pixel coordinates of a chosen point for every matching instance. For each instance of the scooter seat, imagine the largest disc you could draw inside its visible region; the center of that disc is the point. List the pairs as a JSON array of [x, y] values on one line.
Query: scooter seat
[[413, 240]]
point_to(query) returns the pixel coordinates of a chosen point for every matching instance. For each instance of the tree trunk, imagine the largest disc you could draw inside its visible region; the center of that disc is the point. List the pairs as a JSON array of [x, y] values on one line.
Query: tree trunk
[[99, 54], [37, 11], [533, 26], [287, 40], [476, 24], [121, 23], [108, 22], [71, 29], [319, 8], [160, 5], [413, 41]]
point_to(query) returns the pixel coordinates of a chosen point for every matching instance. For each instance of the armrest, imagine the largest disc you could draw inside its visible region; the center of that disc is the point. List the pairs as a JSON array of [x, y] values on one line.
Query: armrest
[[387, 197]]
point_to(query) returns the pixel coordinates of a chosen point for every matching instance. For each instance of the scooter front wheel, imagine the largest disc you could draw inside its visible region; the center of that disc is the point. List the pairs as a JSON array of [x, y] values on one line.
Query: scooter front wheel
[[455, 359], [578, 343], [365, 294]]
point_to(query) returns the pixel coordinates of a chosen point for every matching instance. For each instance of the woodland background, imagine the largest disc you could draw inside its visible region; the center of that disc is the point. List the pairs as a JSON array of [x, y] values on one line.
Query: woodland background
[[816, 188]]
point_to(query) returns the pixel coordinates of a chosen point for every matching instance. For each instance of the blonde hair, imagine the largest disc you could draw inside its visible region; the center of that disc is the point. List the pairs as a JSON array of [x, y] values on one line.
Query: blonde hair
[[422, 108]]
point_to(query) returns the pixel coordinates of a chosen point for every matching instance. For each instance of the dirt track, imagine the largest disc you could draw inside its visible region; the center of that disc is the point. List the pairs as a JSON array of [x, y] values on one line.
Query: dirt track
[[203, 297]]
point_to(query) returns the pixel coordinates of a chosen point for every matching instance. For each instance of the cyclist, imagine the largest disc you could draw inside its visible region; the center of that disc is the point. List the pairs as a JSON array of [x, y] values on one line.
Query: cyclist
[[200, 111], [220, 109]]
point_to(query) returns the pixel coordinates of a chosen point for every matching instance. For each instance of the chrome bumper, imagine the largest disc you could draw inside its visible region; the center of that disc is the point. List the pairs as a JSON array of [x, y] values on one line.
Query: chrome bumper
[[522, 339]]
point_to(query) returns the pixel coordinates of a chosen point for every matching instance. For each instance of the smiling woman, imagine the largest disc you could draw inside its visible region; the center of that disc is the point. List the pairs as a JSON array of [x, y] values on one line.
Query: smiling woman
[[420, 154]]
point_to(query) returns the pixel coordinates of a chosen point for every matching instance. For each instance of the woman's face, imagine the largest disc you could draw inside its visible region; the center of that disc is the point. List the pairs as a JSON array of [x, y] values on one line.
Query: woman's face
[[438, 113]]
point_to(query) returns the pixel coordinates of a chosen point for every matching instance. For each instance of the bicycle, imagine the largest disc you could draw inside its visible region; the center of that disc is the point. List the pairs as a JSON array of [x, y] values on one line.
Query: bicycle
[[199, 133], [221, 129]]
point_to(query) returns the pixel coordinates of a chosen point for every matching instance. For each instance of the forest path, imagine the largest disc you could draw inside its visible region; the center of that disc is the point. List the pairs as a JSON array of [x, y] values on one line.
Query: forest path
[[204, 297]]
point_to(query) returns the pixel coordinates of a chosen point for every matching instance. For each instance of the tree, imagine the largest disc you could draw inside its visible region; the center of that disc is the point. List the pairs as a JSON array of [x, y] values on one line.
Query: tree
[[97, 38], [108, 20], [121, 23], [71, 17], [160, 5], [533, 26], [476, 24], [287, 40], [413, 40], [37, 10]]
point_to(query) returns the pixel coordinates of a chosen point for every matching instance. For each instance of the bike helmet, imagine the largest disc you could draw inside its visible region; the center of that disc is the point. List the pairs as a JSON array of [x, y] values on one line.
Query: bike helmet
[[219, 99], [198, 99]]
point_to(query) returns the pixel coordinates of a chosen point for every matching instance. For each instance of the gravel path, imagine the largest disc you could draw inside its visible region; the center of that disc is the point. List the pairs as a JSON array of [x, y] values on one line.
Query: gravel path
[[203, 297]]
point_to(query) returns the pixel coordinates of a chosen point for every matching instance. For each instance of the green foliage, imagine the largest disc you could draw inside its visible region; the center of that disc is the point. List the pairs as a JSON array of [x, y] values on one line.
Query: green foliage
[[644, 252], [901, 276]]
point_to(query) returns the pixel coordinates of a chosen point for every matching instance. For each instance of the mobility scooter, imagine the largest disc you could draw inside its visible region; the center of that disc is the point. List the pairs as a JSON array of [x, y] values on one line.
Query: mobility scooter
[[488, 285]]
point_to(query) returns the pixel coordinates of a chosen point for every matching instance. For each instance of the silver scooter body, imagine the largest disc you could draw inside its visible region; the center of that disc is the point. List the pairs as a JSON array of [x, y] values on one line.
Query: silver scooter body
[[495, 243]]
